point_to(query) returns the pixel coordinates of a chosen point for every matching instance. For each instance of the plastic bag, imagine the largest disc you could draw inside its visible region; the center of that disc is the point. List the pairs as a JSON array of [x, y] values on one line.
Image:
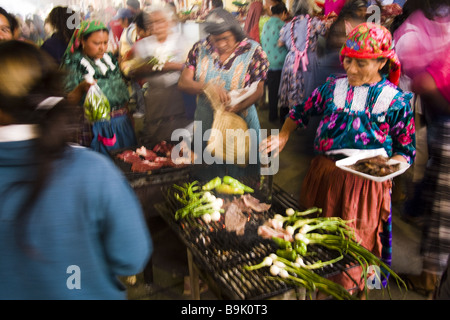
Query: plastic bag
[[96, 105]]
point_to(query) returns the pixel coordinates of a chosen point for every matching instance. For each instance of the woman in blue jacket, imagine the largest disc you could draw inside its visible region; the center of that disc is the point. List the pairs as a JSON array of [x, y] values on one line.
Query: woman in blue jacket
[[69, 221]]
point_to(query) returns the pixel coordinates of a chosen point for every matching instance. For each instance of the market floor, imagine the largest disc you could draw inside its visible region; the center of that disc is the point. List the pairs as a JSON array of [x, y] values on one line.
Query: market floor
[[170, 266]]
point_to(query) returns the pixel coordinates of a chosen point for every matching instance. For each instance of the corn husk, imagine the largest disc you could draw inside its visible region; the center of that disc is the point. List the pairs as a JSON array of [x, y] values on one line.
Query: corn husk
[[229, 139]]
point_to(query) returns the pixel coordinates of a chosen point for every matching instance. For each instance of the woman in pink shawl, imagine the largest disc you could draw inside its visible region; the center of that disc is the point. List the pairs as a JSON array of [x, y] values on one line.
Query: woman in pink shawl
[[422, 44], [423, 36]]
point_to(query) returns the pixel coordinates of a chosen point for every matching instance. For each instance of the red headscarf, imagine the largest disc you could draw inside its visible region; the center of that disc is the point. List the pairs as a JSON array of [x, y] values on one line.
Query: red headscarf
[[371, 41]]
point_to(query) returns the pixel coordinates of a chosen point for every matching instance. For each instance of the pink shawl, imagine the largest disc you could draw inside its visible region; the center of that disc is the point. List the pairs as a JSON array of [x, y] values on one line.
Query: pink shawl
[[440, 71], [419, 41]]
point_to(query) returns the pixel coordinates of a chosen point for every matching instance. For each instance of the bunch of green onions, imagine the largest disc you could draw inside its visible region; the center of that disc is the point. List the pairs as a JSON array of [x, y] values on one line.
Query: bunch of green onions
[[331, 232], [297, 274], [364, 257], [197, 203]]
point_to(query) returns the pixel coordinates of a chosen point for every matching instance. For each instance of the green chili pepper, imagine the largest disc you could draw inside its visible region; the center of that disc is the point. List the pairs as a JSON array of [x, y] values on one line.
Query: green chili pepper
[[211, 185], [228, 189], [288, 254], [237, 184], [283, 244], [300, 247]]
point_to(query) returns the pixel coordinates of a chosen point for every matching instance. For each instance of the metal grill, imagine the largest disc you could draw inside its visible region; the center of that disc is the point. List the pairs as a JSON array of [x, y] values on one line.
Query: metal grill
[[147, 185], [222, 255], [157, 177]]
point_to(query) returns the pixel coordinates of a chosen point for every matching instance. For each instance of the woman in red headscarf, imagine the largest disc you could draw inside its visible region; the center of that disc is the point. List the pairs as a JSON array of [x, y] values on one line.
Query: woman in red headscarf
[[363, 113]]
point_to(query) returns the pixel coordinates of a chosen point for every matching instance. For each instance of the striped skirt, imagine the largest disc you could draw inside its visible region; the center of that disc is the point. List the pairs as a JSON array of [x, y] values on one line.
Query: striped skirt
[[435, 246]]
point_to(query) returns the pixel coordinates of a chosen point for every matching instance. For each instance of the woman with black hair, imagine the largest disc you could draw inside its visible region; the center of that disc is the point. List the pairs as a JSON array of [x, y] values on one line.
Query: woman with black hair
[[57, 44], [229, 61], [69, 221]]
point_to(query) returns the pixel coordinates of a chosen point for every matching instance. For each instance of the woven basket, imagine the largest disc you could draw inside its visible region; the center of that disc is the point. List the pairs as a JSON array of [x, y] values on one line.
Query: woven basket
[[229, 139]]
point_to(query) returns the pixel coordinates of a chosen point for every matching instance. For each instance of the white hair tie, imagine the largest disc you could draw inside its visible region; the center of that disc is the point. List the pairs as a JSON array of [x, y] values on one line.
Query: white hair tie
[[49, 103]]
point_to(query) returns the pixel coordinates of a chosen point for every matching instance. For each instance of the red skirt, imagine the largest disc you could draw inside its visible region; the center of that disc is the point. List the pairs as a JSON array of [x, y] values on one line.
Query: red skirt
[[342, 194]]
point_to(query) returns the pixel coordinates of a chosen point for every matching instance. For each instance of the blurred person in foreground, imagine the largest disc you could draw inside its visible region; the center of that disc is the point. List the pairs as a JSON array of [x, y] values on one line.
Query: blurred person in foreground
[[362, 113], [433, 86], [423, 44], [86, 61], [69, 222], [229, 61]]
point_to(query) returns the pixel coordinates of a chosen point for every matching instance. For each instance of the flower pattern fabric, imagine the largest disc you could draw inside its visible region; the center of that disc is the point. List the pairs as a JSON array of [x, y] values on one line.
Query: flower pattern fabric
[[269, 42], [297, 86], [371, 41], [346, 126], [256, 71]]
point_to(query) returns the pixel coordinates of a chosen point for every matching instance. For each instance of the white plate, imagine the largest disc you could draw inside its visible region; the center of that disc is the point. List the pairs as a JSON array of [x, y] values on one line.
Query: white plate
[[344, 163]]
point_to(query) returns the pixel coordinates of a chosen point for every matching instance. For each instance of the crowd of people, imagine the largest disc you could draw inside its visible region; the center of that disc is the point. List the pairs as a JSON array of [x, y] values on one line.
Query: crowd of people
[[368, 83]]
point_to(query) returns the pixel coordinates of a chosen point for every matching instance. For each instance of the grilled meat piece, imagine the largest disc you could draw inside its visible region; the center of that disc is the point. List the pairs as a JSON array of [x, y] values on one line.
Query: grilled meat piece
[[235, 220], [267, 231], [254, 203], [375, 166]]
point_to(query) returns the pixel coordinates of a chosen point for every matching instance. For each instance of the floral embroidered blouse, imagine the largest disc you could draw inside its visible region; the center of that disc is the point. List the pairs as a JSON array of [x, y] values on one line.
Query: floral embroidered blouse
[[256, 71], [364, 117], [105, 71]]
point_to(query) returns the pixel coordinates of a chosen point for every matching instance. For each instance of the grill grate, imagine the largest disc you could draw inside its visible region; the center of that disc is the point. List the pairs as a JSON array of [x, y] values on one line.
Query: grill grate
[[223, 254]]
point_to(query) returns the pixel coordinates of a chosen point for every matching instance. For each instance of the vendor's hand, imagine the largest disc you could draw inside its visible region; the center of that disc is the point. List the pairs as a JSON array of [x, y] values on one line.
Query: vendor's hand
[[76, 94], [221, 93], [224, 97], [273, 144], [85, 85]]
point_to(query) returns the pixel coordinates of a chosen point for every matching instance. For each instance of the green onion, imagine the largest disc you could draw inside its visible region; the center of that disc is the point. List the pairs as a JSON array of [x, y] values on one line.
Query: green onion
[[291, 272]]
